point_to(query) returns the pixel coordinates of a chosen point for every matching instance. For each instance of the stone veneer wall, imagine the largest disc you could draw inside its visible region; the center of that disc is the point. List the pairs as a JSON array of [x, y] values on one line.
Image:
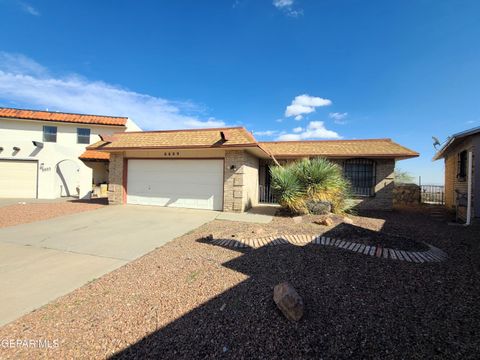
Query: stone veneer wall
[[115, 179], [406, 194], [240, 189]]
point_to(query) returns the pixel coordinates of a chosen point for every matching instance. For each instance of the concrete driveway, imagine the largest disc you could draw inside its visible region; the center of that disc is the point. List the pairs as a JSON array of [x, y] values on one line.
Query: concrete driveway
[[43, 260]]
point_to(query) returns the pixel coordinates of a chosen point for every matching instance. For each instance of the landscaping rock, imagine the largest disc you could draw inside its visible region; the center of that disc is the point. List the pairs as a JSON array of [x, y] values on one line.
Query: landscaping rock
[[288, 301], [297, 219], [324, 222], [319, 207]]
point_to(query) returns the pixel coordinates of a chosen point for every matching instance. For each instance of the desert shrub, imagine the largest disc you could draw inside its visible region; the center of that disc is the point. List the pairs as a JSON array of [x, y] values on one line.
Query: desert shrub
[[316, 180]]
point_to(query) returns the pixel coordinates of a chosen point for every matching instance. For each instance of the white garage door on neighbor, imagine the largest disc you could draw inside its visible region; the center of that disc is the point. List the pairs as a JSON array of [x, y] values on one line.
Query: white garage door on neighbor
[[195, 184], [18, 179]]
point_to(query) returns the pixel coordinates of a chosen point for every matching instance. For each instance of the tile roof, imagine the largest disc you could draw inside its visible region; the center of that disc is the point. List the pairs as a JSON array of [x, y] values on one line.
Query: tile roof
[[62, 117], [94, 155], [192, 138], [339, 148]]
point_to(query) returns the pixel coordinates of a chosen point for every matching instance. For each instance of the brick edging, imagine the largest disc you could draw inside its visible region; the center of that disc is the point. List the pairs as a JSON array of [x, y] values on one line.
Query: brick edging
[[434, 254]]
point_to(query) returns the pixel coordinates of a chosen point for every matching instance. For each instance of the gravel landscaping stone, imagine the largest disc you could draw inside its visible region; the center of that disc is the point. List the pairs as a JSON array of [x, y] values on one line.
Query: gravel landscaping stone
[[193, 299], [30, 212]]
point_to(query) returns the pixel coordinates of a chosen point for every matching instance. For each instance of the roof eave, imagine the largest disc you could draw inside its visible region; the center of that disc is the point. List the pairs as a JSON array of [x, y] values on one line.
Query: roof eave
[[107, 148]]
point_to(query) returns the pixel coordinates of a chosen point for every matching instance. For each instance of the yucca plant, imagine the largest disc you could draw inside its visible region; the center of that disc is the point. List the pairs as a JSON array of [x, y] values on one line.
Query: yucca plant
[[310, 180], [288, 189]]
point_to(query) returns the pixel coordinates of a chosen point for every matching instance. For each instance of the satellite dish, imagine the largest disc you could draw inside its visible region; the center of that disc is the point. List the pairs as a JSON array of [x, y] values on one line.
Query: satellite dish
[[436, 142]]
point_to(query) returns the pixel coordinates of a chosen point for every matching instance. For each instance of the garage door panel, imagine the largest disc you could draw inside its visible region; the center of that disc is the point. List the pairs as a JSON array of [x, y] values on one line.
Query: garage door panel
[[194, 184], [18, 179]]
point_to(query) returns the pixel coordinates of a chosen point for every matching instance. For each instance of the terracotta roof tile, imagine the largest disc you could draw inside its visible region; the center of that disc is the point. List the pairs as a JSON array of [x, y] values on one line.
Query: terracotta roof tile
[[339, 148], [62, 117], [194, 138], [94, 155]]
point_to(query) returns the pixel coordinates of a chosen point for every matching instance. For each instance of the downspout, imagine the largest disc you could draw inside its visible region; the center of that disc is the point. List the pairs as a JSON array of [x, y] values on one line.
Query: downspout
[[469, 188]]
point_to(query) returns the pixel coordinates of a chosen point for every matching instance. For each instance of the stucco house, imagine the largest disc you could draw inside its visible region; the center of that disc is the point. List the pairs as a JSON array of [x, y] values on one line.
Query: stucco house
[[42, 153], [226, 169], [462, 184]]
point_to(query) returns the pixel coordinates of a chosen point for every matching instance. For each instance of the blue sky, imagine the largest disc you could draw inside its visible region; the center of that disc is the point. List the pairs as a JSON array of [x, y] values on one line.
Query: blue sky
[[285, 69]]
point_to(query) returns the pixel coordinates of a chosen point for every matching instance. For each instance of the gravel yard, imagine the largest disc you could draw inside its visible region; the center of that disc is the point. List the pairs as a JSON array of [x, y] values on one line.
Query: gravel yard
[[190, 299], [29, 212]]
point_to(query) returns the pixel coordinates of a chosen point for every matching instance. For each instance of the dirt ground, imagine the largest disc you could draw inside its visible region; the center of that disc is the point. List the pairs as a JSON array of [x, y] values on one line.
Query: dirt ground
[[191, 299], [23, 213]]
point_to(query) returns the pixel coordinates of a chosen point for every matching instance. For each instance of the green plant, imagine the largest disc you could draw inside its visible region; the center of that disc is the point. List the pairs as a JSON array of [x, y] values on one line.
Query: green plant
[[288, 189], [309, 180], [403, 177]]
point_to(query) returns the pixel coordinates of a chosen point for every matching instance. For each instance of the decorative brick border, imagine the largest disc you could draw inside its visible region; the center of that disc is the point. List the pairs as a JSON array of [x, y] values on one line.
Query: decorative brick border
[[432, 255]]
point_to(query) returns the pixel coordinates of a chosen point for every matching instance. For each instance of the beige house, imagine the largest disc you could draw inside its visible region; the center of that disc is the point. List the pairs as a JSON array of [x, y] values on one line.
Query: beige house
[[226, 169], [462, 185]]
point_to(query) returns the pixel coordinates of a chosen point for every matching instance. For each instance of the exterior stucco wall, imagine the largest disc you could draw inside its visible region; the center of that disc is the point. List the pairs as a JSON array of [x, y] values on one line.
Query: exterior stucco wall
[[56, 161], [250, 174]]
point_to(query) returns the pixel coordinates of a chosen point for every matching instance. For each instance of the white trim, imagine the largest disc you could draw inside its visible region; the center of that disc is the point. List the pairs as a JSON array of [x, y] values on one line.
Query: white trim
[[469, 188]]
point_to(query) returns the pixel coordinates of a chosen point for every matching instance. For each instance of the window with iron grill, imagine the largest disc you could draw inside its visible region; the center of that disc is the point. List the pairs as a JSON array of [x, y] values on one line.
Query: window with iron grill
[[462, 166], [361, 174]]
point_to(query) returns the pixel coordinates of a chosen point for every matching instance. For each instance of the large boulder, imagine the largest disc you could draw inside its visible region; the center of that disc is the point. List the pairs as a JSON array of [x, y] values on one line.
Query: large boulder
[[319, 207], [288, 301]]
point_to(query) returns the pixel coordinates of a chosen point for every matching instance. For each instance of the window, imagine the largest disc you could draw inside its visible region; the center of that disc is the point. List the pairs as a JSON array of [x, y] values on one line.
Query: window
[[361, 174], [50, 133], [83, 136], [462, 166]]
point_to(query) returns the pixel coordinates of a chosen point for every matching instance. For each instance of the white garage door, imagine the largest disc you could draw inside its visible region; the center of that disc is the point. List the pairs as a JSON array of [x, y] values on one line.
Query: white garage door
[[18, 179], [195, 184]]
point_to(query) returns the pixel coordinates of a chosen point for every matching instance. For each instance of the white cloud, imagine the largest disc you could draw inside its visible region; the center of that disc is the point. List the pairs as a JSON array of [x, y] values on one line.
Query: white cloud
[[339, 118], [287, 6], [25, 83], [297, 129], [266, 133], [305, 104], [282, 3], [314, 130], [30, 9]]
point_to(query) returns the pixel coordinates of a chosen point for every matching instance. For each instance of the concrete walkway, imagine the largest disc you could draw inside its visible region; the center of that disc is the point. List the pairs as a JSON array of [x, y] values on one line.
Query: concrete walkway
[[43, 260]]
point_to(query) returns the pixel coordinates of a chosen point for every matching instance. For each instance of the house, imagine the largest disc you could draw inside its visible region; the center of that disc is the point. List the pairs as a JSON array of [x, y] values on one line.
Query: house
[[42, 153], [227, 168], [461, 154]]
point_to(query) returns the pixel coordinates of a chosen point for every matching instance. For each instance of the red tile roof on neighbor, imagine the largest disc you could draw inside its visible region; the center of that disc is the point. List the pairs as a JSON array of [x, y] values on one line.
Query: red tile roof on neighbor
[[94, 155], [62, 117]]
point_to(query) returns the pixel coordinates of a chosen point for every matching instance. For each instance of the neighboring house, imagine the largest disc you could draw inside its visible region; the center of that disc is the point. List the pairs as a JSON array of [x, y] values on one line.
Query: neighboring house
[[227, 169], [42, 153], [462, 185]]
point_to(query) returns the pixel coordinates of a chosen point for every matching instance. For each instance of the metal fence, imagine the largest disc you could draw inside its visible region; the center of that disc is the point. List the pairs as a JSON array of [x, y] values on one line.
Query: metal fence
[[432, 194], [266, 196]]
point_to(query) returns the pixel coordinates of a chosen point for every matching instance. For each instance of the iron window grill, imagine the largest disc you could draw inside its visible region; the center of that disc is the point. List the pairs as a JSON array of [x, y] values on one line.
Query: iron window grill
[[462, 166], [361, 175], [50, 134], [83, 136]]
